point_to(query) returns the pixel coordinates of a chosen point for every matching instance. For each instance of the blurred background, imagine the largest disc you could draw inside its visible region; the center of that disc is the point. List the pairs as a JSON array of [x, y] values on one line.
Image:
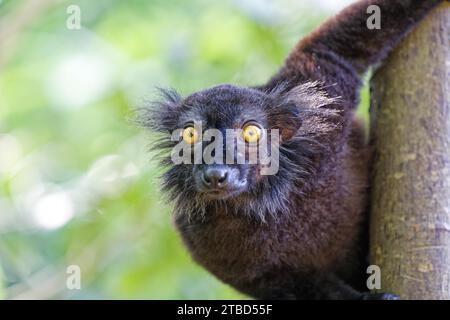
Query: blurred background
[[77, 186]]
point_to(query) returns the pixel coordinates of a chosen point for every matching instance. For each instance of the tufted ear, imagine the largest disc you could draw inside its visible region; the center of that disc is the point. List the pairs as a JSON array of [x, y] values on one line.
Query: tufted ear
[[284, 112], [285, 117], [161, 115], [288, 107]]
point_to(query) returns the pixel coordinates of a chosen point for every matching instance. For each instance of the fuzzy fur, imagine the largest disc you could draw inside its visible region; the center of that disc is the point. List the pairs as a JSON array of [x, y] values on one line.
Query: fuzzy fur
[[301, 233]]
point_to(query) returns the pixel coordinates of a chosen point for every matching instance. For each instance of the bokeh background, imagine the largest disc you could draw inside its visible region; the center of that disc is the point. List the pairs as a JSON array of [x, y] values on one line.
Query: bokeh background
[[77, 186]]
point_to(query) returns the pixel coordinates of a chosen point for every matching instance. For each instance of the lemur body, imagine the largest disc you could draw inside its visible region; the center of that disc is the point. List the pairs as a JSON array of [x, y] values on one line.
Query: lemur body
[[299, 234]]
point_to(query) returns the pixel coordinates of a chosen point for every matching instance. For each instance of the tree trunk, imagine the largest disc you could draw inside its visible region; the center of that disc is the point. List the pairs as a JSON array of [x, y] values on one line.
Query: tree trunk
[[410, 222]]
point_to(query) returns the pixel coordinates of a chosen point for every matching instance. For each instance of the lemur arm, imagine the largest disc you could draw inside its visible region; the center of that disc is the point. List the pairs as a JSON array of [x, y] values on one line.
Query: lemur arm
[[335, 57], [348, 36], [345, 44]]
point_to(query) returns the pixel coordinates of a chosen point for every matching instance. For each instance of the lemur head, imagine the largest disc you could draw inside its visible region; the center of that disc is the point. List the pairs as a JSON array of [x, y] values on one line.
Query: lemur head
[[233, 125]]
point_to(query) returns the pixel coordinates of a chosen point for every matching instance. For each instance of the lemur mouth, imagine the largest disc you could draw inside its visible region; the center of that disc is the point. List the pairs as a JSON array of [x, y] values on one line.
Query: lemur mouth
[[224, 192], [221, 194]]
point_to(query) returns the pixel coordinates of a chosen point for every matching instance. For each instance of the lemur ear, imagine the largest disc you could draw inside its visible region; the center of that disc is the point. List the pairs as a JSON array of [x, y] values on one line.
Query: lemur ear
[[284, 114], [286, 118], [161, 115], [289, 106]]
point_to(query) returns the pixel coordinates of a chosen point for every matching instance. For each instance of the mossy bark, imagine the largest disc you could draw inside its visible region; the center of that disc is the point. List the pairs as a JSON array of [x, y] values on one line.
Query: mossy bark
[[410, 222]]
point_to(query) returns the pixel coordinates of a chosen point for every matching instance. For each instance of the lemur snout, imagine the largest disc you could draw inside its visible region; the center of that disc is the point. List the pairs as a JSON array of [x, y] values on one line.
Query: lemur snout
[[219, 181], [215, 177]]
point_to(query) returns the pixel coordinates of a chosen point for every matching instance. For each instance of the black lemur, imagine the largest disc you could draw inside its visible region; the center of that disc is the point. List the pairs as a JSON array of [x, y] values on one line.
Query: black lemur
[[301, 233]]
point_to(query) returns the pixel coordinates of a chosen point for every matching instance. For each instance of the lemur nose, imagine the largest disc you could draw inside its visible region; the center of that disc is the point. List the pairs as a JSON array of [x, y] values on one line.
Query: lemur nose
[[215, 177]]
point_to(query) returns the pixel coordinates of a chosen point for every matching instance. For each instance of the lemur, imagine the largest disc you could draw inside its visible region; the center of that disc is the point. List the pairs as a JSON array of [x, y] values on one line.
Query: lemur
[[302, 232]]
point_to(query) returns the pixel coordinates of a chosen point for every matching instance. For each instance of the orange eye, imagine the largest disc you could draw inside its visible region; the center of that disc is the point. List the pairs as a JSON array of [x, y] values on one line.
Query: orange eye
[[190, 135], [251, 133]]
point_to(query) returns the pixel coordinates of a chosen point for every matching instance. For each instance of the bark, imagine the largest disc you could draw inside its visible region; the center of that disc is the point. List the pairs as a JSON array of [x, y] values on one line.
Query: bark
[[410, 222]]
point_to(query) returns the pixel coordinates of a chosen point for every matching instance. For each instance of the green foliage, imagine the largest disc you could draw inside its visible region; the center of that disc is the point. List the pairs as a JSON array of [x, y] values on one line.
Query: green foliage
[[77, 186]]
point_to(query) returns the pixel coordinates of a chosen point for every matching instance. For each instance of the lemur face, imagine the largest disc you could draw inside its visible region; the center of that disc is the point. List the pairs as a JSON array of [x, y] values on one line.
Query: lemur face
[[227, 117], [224, 138]]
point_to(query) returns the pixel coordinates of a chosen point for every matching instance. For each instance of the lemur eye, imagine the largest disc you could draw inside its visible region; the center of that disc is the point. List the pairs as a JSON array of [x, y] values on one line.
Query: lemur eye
[[251, 133], [190, 135]]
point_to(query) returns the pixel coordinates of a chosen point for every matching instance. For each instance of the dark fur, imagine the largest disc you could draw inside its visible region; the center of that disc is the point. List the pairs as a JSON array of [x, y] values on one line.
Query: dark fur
[[300, 233]]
